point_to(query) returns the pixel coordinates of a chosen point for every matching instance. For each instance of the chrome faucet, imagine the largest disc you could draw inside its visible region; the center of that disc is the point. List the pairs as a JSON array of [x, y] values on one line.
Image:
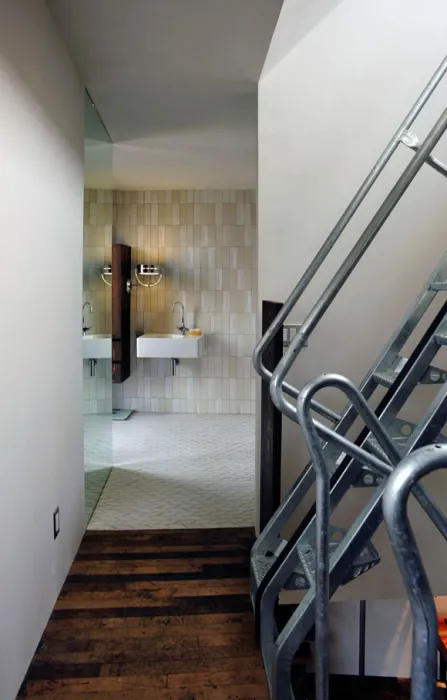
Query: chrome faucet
[[84, 327], [182, 328]]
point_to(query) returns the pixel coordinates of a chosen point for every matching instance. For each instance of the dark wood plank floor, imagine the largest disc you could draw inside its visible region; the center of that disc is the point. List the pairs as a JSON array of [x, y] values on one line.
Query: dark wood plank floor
[[158, 615]]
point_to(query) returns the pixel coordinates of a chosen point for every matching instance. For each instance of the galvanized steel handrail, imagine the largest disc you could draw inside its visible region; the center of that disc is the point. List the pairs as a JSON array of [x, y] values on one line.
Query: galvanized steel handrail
[[425, 624], [373, 424], [322, 500], [349, 264], [278, 385], [311, 433]]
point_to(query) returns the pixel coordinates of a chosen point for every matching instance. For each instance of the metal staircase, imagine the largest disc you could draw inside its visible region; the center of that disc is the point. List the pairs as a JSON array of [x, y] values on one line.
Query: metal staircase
[[319, 557]]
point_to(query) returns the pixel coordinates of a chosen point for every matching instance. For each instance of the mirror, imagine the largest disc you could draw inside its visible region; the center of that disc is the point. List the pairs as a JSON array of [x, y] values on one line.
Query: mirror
[[97, 307]]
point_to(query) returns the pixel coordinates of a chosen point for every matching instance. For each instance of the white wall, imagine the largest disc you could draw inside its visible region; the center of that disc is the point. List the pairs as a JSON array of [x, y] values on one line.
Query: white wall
[[388, 637], [326, 110], [41, 455], [297, 19]]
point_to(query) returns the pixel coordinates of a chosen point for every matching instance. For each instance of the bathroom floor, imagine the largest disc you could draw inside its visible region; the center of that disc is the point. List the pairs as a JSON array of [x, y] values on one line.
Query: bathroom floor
[[179, 471]]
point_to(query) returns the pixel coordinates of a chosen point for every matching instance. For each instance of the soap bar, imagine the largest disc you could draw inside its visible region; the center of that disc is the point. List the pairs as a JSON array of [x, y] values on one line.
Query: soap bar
[[195, 331]]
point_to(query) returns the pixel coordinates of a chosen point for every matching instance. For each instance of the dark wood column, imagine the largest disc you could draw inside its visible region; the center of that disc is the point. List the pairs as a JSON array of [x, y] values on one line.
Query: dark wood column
[[121, 275]]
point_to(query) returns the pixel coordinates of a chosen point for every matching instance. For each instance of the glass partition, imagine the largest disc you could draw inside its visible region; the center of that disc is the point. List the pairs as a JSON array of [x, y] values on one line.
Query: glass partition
[[97, 307]]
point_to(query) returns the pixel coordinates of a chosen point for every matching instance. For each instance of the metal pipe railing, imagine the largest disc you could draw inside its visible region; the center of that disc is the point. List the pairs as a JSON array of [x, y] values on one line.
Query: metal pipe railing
[[373, 424], [322, 499], [330, 242], [349, 264], [425, 624], [411, 141], [310, 431]]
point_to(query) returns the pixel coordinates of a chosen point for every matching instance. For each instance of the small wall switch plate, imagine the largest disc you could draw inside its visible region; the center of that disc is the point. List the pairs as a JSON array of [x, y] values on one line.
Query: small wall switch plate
[[56, 522], [289, 331]]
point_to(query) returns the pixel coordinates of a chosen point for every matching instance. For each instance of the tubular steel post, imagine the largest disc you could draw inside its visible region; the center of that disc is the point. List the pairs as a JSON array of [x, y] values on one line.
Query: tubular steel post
[[304, 405], [308, 425], [425, 623], [340, 227], [322, 503], [350, 262]]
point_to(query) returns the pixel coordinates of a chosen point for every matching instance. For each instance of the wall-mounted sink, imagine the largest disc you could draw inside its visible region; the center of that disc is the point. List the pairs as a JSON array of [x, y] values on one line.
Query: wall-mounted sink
[[170, 345], [97, 347]]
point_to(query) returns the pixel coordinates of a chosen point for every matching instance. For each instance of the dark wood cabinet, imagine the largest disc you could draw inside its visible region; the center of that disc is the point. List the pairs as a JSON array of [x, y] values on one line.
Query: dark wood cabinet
[[271, 423], [121, 276]]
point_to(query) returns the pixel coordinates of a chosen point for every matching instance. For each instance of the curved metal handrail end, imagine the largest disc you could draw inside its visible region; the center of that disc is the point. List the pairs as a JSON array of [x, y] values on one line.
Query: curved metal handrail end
[[287, 408], [347, 387], [258, 364], [425, 622], [282, 368], [374, 425], [309, 428]]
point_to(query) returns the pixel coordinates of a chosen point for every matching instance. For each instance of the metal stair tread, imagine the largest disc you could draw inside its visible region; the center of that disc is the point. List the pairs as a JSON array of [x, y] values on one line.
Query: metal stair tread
[[304, 572], [261, 564], [385, 377], [367, 558], [440, 283], [441, 333], [399, 442]]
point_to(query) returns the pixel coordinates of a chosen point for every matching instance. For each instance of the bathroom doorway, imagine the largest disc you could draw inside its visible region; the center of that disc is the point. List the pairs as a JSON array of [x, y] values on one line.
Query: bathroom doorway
[[183, 428]]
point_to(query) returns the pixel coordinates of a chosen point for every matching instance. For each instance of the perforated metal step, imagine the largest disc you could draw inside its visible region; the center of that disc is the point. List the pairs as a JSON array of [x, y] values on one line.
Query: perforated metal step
[[261, 564], [368, 558], [304, 572], [402, 433], [385, 376]]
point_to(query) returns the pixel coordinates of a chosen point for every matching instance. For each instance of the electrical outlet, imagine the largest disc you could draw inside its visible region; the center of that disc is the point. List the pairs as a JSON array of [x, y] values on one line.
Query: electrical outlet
[[56, 522]]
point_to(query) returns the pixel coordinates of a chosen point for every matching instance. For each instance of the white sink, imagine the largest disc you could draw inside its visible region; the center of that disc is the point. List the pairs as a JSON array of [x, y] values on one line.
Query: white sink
[[97, 347], [170, 345]]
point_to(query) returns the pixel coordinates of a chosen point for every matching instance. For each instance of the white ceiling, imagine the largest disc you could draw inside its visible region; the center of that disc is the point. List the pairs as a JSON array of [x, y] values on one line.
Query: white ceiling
[[175, 82]]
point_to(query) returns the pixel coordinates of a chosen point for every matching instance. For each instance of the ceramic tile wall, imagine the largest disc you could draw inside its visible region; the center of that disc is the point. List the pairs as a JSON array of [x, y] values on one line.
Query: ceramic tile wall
[[206, 241], [98, 223]]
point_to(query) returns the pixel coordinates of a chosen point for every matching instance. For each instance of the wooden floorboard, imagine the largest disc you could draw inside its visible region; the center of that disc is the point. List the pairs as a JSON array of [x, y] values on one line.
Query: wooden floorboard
[[162, 615]]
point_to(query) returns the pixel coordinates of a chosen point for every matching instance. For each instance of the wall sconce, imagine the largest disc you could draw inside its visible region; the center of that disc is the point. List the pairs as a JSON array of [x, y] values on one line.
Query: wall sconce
[[148, 271], [106, 272]]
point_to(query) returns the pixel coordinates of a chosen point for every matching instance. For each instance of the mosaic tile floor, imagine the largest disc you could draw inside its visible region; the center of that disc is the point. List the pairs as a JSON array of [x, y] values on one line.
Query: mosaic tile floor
[[179, 471]]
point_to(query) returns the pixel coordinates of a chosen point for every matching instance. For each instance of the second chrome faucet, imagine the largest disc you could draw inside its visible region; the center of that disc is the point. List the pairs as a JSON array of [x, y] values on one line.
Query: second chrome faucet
[[182, 328]]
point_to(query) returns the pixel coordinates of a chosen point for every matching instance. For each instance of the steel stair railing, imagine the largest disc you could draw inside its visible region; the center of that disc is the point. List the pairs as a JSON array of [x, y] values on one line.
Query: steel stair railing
[[400, 376], [425, 623], [310, 559], [322, 500], [279, 387], [329, 573], [312, 429]]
